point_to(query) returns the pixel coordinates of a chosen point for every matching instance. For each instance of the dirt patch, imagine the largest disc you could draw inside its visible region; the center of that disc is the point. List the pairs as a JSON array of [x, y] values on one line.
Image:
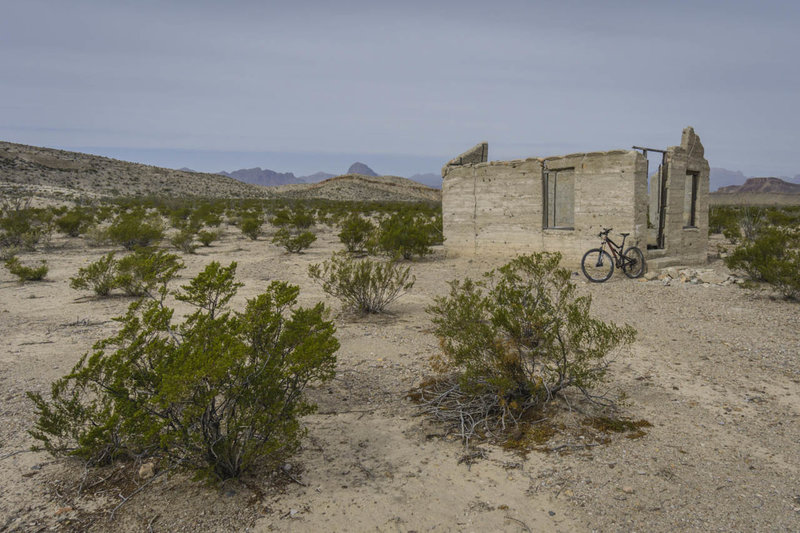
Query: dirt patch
[[714, 370]]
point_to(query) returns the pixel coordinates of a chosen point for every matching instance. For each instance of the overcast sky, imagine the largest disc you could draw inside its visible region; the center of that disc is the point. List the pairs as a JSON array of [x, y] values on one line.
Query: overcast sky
[[402, 86]]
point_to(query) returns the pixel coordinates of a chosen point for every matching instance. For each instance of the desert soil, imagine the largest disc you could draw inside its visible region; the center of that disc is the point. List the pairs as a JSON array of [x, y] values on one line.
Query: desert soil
[[714, 369]]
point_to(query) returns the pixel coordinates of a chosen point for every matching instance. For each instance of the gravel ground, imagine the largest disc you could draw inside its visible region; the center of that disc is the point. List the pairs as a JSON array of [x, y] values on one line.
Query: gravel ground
[[714, 370]]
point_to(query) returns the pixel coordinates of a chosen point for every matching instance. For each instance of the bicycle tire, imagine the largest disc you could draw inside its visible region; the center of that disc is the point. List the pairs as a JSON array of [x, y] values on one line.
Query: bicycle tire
[[633, 262], [600, 265]]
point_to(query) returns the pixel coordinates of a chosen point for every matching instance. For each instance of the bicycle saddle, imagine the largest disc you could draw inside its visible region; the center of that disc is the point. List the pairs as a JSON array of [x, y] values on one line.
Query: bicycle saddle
[[624, 234]]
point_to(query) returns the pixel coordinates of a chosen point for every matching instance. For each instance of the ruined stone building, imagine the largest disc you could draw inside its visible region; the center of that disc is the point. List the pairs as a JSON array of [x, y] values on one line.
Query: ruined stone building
[[561, 203]]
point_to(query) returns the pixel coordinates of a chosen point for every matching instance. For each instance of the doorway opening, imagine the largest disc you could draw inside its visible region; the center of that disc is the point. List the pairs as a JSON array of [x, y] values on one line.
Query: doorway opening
[[657, 194]]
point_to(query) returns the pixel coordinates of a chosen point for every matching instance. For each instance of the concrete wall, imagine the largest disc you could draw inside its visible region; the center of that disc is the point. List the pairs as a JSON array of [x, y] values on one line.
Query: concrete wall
[[498, 208], [686, 244]]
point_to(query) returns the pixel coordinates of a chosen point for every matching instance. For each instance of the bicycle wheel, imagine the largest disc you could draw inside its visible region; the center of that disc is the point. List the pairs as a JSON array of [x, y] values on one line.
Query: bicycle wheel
[[633, 262], [597, 265]]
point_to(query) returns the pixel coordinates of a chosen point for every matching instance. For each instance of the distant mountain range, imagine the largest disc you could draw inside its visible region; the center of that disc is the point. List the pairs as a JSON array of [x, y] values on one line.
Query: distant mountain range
[[265, 176], [762, 185], [722, 177]]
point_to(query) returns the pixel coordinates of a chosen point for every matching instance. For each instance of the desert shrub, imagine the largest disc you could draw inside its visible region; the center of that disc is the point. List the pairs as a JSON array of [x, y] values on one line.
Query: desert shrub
[[364, 285], [725, 220], [293, 241], [207, 214], [251, 226], [135, 229], [207, 237], [22, 226], [355, 233], [216, 394], [773, 257], [96, 236], [26, 273], [100, 276], [298, 217], [146, 270], [517, 339], [74, 222], [751, 221], [405, 235], [184, 240]]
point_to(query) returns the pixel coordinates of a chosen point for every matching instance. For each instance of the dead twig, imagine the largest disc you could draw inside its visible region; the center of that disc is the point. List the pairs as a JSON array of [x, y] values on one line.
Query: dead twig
[[520, 522], [137, 491], [12, 454]]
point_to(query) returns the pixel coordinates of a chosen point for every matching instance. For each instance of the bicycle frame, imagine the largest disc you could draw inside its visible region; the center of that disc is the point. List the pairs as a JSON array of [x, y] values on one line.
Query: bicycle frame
[[614, 248]]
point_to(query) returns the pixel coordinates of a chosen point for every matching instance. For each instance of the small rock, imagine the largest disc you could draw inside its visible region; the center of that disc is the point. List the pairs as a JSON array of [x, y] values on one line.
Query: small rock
[[287, 467], [627, 489], [650, 276], [147, 470], [551, 513]]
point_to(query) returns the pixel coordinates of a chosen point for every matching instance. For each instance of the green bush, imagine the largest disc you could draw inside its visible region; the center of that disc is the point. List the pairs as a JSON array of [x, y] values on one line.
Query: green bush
[[355, 233], [251, 227], [140, 273], [292, 241], [207, 237], [26, 273], [135, 229], [406, 235], [74, 222], [298, 217], [364, 285], [22, 226], [184, 240], [100, 276], [725, 220], [522, 336], [773, 257], [146, 271], [217, 394]]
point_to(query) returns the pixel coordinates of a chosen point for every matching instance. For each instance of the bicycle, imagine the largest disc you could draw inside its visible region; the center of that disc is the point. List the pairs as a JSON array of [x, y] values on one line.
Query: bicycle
[[598, 265]]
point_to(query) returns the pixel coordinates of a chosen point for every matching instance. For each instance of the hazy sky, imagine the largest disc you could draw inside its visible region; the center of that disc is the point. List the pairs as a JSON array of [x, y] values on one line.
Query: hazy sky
[[402, 86]]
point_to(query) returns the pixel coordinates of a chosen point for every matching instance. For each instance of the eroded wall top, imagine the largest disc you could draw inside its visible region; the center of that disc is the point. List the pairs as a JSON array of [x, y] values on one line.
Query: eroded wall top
[[477, 154]]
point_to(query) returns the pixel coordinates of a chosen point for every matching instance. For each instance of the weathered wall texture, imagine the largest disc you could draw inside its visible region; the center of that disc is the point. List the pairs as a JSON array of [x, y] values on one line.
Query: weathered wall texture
[[500, 208], [683, 241]]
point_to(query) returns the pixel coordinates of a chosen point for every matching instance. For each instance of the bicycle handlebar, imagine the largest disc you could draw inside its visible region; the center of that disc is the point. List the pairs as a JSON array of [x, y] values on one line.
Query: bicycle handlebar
[[604, 232]]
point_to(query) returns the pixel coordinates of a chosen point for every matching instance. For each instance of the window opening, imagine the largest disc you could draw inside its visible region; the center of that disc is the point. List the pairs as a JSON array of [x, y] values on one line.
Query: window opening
[[559, 198], [690, 201]]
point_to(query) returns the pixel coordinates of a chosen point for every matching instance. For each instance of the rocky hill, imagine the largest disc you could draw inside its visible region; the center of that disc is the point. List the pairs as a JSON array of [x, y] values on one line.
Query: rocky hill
[[365, 188], [70, 175], [762, 185], [59, 173]]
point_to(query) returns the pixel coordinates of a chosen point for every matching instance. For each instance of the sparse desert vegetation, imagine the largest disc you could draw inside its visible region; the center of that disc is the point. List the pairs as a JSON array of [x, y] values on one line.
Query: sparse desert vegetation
[[703, 399]]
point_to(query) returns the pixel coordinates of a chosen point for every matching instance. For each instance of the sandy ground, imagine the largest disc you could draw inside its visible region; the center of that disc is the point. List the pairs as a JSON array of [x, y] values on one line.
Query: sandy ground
[[714, 369]]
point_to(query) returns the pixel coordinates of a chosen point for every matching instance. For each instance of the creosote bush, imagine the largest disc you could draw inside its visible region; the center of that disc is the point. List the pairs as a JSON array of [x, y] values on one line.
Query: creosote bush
[[363, 285], [406, 235], [251, 226], [218, 393], [100, 276], [26, 273], [136, 229], [772, 257], [515, 341], [74, 222], [137, 274], [207, 237], [184, 240], [355, 233], [293, 241]]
